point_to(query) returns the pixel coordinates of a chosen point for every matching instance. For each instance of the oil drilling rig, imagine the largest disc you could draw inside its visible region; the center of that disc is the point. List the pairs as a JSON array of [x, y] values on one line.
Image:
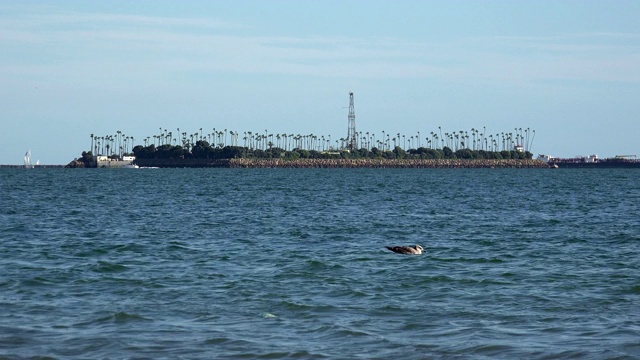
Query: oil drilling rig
[[352, 135]]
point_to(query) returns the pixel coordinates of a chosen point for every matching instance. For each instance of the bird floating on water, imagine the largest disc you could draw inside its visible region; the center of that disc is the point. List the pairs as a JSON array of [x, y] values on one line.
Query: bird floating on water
[[410, 250]]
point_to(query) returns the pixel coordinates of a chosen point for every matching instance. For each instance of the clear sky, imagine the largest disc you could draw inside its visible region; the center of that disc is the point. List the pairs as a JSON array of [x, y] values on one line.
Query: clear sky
[[570, 70]]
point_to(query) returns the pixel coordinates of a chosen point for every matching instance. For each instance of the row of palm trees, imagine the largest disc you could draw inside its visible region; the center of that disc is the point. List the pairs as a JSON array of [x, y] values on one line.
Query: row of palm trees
[[520, 139], [113, 144]]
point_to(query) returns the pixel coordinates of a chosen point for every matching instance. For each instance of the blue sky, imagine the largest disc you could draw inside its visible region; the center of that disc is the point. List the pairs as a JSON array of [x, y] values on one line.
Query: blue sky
[[570, 70]]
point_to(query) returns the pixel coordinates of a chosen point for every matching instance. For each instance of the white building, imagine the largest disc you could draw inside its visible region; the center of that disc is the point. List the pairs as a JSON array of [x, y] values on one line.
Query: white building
[[107, 162]]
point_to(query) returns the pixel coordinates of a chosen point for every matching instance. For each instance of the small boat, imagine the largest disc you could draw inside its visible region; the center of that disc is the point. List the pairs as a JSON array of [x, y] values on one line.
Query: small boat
[[27, 160], [131, 166]]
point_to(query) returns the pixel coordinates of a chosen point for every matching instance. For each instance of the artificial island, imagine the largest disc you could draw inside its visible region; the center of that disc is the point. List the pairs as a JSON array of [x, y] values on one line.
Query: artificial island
[[227, 149]]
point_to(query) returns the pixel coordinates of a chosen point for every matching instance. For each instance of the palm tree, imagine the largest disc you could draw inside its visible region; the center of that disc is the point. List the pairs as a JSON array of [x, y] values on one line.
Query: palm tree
[[533, 135], [265, 138]]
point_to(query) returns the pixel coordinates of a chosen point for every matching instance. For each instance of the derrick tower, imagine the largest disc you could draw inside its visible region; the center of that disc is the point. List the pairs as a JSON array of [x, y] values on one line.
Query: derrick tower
[[352, 137]]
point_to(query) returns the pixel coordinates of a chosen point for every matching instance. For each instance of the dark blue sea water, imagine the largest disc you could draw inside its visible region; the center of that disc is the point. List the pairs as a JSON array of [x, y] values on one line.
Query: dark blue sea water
[[290, 263]]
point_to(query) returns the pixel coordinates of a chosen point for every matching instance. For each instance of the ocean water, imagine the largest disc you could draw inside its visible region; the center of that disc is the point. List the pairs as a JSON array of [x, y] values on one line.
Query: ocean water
[[290, 263]]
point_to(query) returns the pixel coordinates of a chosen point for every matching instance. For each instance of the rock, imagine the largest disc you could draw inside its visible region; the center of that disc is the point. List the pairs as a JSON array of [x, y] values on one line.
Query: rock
[[75, 164]]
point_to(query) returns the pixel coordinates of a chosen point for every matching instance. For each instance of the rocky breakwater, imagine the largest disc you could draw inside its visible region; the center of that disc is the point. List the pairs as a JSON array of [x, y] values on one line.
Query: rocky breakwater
[[387, 163], [183, 163]]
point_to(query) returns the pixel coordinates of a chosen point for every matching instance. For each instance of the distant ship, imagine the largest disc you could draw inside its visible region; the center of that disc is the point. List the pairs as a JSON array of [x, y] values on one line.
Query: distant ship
[[591, 161]]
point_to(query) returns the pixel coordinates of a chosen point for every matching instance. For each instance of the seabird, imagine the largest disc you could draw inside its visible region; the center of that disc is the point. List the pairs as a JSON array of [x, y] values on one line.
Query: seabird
[[410, 250]]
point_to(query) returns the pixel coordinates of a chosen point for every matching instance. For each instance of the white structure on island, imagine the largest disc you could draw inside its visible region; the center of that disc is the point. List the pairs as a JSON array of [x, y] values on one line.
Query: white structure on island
[[104, 161]]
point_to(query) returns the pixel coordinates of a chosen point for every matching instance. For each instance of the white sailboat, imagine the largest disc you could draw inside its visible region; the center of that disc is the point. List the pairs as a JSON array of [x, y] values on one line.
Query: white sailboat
[[27, 160]]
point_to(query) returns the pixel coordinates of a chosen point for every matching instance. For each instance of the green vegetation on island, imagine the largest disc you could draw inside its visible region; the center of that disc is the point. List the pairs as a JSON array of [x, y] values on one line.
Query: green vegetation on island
[[203, 150]]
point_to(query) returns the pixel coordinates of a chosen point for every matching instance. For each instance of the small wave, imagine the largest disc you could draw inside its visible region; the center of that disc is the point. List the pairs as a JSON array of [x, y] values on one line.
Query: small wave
[[357, 294], [278, 355], [363, 259], [417, 281], [131, 247], [178, 245], [92, 252], [634, 290], [216, 341], [237, 343], [119, 318], [490, 350], [107, 267], [323, 329], [299, 234], [386, 309], [126, 317], [508, 274], [318, 264], [439, 278], [291, 355], [487, 242], [472, 260], [295, 306], [352, 333], [17, 229], [289, 305], [37, 281]]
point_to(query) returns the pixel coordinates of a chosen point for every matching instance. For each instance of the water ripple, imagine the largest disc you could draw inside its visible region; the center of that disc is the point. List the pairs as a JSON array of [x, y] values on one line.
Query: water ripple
[[283, 263]]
